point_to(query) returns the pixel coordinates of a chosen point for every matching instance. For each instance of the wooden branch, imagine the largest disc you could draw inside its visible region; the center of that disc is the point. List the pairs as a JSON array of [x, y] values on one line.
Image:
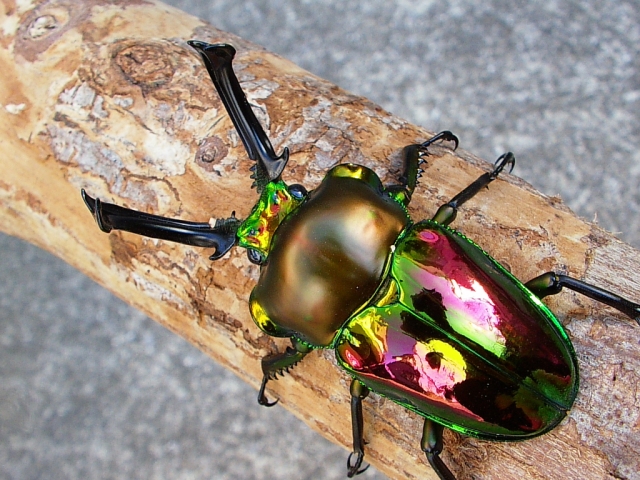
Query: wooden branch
[[107, 96]]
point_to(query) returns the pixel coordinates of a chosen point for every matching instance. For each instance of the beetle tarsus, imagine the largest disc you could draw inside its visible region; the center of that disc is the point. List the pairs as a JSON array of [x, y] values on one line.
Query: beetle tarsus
[[444, 136], [551, 283], [262, 398], [353, 470], [358, 392], [504, 160], [447, 213], [432, 445]]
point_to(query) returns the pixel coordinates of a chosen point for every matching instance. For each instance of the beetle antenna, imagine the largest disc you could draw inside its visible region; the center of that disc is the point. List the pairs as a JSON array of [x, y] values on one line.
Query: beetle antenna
[[217, 59]]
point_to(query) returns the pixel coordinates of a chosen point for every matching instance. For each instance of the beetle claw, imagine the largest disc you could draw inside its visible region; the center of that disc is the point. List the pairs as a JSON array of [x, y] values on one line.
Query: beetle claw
[[264, 401], [444, 136], [355, 469], [504, 160], [262, 398]]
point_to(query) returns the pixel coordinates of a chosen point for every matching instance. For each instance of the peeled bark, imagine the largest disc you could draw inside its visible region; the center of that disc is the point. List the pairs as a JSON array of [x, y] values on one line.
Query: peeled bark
[[107, 96]]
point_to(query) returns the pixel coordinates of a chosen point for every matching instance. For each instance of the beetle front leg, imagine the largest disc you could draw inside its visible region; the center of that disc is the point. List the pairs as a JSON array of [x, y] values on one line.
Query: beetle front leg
[[358, 392], [412, 158], [432, 445], [448, 212], [551, 283], [278, 363]]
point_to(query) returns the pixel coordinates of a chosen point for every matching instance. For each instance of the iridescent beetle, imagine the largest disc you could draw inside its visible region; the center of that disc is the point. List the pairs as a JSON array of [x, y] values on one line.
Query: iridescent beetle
[[415, 312]]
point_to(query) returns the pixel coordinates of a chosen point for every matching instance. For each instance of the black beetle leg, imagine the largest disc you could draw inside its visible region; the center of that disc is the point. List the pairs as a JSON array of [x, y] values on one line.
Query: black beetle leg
[[222, 236], [551, 283], [358, 392], [447, 212], [432, 445], [217, 59], [444, 136], [353, 470], [412, 158], [262, 399], [278, 363]]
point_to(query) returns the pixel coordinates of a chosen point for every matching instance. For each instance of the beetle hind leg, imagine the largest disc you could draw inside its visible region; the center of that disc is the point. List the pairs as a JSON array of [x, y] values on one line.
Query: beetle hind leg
[[432, 445], [279, 363], [551, 283], [448, 212]]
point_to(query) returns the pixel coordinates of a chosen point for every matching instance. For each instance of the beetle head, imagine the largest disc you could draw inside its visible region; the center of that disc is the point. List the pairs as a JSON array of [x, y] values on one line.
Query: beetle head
[[276, 202]]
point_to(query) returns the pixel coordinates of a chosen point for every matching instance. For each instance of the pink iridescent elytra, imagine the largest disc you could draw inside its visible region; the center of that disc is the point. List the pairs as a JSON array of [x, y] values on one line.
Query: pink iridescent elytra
[[461, 339]]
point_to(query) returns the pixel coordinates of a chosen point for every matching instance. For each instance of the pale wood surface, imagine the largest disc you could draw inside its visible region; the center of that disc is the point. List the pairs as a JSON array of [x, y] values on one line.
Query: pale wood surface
[[92, 97]]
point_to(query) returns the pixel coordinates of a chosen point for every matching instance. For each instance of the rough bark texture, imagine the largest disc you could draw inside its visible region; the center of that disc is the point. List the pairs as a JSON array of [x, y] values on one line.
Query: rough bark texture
[[107, 96]]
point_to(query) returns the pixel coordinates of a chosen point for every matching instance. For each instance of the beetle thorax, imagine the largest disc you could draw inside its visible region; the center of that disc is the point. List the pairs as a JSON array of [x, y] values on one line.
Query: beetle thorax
[[328, 257]]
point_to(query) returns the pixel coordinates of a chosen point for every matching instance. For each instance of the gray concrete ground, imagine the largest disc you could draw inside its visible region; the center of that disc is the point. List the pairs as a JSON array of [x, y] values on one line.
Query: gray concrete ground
[[92, 389]]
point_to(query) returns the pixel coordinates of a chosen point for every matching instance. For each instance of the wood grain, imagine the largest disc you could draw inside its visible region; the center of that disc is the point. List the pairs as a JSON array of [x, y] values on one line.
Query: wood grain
[[92, 97]]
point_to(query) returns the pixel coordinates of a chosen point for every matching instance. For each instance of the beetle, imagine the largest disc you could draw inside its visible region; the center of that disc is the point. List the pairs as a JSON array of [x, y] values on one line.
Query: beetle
[[415, 311]]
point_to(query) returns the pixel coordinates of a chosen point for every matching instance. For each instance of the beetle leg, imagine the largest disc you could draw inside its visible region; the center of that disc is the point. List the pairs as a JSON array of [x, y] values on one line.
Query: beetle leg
[[432, 445], [108, 216], [278, 363], [551, 283], [358, 392], [217, 59], [412, 158], [447, 212]]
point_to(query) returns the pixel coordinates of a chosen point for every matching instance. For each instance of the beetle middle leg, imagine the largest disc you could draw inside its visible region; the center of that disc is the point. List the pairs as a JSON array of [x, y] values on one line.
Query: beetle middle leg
[[447, 212], [551, 283], [278, 363], [432, 445]]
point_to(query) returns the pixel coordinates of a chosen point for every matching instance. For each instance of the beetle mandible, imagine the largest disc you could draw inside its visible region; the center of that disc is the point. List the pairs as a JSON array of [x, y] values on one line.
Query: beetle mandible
[[415, 311]]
